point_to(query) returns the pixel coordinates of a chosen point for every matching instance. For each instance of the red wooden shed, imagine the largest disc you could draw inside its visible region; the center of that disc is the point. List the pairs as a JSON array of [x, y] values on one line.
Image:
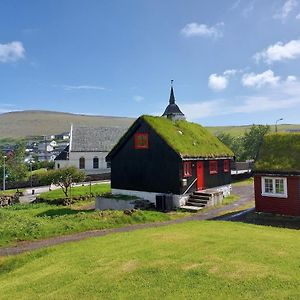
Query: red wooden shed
[[277, 175]]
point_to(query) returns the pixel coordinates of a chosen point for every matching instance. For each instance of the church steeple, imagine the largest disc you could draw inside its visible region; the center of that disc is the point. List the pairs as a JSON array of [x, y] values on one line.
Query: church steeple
[[172, 111], [172, 97]]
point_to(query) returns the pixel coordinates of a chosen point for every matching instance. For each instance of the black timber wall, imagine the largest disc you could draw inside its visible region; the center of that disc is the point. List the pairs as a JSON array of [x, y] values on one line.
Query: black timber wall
[[157, 169], [210, 180]]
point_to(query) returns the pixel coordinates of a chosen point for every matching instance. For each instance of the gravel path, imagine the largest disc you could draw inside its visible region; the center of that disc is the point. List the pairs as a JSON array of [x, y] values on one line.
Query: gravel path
[[245, 193]]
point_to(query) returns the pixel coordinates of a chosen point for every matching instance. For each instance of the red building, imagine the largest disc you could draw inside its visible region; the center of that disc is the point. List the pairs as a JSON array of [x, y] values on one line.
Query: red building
[[277, 175]]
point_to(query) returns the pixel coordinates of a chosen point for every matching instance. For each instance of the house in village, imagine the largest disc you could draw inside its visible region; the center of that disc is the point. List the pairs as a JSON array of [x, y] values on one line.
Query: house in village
[[168, 155], [277, 175], [88, 148]]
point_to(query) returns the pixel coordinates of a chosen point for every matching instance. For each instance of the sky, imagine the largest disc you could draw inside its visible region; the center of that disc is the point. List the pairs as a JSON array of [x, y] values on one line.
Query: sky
[[233, 62]]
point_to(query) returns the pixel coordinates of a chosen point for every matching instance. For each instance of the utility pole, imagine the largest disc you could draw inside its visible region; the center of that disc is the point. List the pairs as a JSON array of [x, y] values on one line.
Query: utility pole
[[4, 173], [276, 124]]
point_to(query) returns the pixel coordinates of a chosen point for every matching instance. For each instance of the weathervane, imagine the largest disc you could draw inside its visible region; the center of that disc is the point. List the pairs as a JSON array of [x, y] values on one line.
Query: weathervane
[[172, 82]]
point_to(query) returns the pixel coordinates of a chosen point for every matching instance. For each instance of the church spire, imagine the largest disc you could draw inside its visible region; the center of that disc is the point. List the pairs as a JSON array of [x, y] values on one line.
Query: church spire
[[173, 111], [172, 97]]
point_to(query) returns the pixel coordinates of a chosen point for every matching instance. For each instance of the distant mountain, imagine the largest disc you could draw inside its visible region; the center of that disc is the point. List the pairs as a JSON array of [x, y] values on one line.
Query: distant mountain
[[22, 124]]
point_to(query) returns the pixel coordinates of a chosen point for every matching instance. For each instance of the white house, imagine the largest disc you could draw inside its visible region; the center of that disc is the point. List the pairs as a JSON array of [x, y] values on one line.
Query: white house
[[88, 148]]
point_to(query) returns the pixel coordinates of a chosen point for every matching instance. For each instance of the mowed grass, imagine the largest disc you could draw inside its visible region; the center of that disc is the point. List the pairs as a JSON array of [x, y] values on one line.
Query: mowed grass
[[193, 260], [96, 189], [29, 222]]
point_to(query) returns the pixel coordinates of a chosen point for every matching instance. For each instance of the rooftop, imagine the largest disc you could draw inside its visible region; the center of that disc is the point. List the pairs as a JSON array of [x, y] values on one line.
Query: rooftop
[[279, 152], [89, 139], [188, 139]]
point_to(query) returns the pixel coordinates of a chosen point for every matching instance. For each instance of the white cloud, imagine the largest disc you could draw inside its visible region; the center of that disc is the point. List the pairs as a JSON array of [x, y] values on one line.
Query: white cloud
[[260, 80], [286, 94], [11, 52], [220, 82], [291, 78], [203, 30], [82, 87], [286, 9], [217, 82], [298, 17], [279, 52], [138, 98]]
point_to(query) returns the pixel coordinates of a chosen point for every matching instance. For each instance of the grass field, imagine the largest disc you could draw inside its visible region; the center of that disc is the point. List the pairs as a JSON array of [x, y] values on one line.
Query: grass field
[[95, 189], [39, 123], [37, 221], [193, 260], [16, 125]]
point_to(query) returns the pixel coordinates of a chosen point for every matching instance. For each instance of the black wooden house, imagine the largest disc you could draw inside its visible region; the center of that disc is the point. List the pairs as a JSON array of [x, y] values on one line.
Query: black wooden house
[[168, 155]]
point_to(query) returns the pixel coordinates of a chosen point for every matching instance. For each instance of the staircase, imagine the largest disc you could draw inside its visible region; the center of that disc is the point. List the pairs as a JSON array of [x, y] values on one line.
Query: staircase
[[205, 198], [199, 199]]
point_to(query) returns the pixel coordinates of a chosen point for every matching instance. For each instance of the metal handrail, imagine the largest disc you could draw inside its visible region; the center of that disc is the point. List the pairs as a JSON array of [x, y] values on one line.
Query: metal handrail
[[189, 186]]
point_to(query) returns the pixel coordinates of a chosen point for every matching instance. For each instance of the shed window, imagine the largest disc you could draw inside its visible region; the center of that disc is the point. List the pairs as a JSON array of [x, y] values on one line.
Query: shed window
[[187, 168], [213, 167], [141, 140], [226, 166], [81, 163], [274, 186], [95, 163]]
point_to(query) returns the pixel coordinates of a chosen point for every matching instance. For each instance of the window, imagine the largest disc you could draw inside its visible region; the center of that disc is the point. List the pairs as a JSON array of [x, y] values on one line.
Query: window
[[213, 167], [226, 166], [81, 163], [58, 166], [187, 169], [274, 186], [141, 141], [95, 163]]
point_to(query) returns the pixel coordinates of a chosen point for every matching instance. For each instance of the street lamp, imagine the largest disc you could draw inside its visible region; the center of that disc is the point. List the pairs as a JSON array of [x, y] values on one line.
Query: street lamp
[[30, 162], [3, 186], [276, 123]]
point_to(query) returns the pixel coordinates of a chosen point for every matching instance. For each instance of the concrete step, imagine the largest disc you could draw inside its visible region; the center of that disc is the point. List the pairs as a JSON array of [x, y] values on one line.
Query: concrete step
[[193, 199], [191, 208], [202, 194], [200, 197], [191, 203]]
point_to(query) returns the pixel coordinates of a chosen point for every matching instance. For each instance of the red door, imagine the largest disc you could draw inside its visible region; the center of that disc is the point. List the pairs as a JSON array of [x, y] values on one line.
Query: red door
[[200, 175]]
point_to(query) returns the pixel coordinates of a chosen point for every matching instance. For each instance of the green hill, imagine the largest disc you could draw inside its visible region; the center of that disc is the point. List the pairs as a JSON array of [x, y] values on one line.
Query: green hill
[[37, 123], [23, 124]]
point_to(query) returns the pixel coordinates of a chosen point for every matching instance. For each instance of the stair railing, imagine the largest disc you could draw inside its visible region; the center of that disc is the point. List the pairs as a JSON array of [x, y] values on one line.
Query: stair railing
[[189, 186]]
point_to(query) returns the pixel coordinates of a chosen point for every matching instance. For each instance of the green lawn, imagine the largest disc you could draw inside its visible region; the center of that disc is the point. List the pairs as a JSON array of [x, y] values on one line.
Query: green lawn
[[10, 192], [248, 181], [37, 221], [96, 189], [193, 260]]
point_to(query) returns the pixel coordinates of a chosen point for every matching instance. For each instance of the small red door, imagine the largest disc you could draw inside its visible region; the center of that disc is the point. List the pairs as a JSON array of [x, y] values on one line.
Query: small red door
[[200, 175]]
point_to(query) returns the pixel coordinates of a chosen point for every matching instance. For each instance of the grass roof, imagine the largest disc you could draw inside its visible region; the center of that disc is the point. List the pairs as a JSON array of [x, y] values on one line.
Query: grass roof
[[279, 152], [188, 139]]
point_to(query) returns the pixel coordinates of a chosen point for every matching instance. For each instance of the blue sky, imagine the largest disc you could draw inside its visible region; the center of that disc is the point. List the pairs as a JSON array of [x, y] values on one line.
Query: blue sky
[[233, 62]]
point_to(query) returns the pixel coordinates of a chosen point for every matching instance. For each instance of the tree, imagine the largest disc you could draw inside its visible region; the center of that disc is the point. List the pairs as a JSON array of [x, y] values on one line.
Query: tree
[[16, 169], [253, 139], [64, 178], [233, 143]]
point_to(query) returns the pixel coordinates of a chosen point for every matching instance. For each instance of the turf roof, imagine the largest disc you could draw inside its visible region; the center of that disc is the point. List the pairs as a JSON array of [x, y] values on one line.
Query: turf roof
[[188, 139], [279, 152]]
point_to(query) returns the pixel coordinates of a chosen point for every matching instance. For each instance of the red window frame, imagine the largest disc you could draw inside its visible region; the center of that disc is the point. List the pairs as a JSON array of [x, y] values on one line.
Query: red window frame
[[187, 169], [213, 167], [226, 166], [139, 143]]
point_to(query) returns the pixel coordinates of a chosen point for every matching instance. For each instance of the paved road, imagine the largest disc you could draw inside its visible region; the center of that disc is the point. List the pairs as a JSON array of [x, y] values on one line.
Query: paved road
[[245, 193]]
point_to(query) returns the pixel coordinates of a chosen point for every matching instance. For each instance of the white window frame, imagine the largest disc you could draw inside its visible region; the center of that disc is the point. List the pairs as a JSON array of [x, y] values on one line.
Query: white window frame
[[274, 194]]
